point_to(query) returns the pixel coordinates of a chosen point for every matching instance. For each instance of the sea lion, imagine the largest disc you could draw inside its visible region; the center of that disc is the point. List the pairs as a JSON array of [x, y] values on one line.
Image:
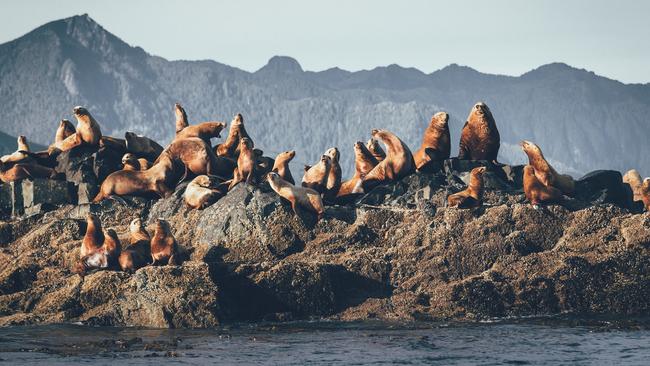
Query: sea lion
[[479, 139], [24, 171], [230, 148], [281, 165], [181, 118], [316, 176], [263, 164], [334, 176], [633, 178], [246, 163], [199, 159], [472, 196], [105, 256], [398, 162], [142, 146], [160, 179], [364, 162], [19, 154], [544, 171], [87, 127], [163, 244], [376, 150], [113, 143], [436, 144], [202, 192], [66, 144], [536, 192], [645, 193], [131, 162], [66, 128], [94, 236], [306, 198], [204, 131], [137, 254]]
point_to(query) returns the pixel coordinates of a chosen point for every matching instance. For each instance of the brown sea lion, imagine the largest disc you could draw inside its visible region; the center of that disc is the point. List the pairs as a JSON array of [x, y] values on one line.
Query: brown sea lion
[[544, 171], [163, 244], [113, 143], [11, 173], [87, 127], [181, 118], [633, 178], [199, 158], [479, 139], [66, 128], [160, 179], [436, 144], [142, 146], [104, 257], [137, 254], [306, 198], [132, 162], [204, 131], [472, 196], [230, 147], [364, 162], [316, 176], [376, 150], [536, 192], [398, 162], [202, 192], [94, 236], [19, 154], [246, 164], [66, 144], [263, 164], [645, 193], [335, 173], [281, 165]]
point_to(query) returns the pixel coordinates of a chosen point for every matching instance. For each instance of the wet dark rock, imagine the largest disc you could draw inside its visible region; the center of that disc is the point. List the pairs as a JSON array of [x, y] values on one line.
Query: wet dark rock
[[604, 186]]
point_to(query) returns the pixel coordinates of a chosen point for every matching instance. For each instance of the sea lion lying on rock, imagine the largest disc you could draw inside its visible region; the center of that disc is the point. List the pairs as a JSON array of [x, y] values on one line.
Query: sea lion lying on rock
[[472, 196], [202, 192]]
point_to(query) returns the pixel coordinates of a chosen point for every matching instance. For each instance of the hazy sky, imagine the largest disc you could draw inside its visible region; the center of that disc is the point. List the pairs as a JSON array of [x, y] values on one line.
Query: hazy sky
[[611, 38]]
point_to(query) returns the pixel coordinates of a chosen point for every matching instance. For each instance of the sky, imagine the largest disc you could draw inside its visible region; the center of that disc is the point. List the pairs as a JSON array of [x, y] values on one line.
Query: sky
[[611, 38]]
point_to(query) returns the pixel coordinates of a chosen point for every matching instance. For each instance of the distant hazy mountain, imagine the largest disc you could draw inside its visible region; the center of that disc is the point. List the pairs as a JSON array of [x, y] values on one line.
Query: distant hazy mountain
[[582, 121]]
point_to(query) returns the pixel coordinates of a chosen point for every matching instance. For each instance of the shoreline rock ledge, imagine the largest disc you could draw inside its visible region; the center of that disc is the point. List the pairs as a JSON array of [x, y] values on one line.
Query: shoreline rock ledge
[[395, 254]]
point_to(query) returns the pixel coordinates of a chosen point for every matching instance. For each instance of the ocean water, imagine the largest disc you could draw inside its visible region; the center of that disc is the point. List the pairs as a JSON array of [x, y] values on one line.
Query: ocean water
[[575, 342]]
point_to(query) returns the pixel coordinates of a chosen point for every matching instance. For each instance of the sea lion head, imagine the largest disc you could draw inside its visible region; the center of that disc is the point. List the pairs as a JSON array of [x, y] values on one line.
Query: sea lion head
[[325, 160], [646, 184], [529, 147], [246, 143], [334, 154], [66, 125], [273, 177], [205, 181], [440, 119], [129, 158], [81, 114], [238, 119], [372, 144], [480, 112], [112, 234], [136, 225], [478, 172], [358, 147], [162, 226], [286, 155], [22, 143]]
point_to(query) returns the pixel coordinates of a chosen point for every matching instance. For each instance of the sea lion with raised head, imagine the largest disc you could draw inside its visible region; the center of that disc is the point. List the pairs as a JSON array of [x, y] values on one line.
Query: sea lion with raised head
[[281, 165], [306, 198], [376, 150], [246, 164], [633, 179], [94, 236], [364, 162], [316, 176], [104, 257], [398, 162], [479, 139], [159, 180], [137, 253], [202, 191], [20, 153], [472, 196], [436, 145], [645, 193], [181, 118], [334, 176], [544, 171], [536, 192], [87, 127], [230, 147], [66, 128], [204, 131], [163, 244], [199, 159]]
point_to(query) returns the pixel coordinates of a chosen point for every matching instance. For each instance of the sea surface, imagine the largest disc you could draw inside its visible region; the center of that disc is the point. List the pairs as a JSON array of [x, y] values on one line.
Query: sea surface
[[504, 342]]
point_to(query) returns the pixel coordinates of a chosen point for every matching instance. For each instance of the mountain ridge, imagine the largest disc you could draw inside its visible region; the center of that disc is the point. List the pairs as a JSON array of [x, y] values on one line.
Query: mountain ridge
[[573, 114]]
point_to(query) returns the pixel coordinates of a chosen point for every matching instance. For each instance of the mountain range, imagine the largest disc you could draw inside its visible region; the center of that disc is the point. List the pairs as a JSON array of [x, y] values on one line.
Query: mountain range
[[581, 121]]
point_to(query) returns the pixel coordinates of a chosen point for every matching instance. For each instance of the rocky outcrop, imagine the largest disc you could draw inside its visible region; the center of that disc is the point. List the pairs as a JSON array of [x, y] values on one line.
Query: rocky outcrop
[[395, 253]]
